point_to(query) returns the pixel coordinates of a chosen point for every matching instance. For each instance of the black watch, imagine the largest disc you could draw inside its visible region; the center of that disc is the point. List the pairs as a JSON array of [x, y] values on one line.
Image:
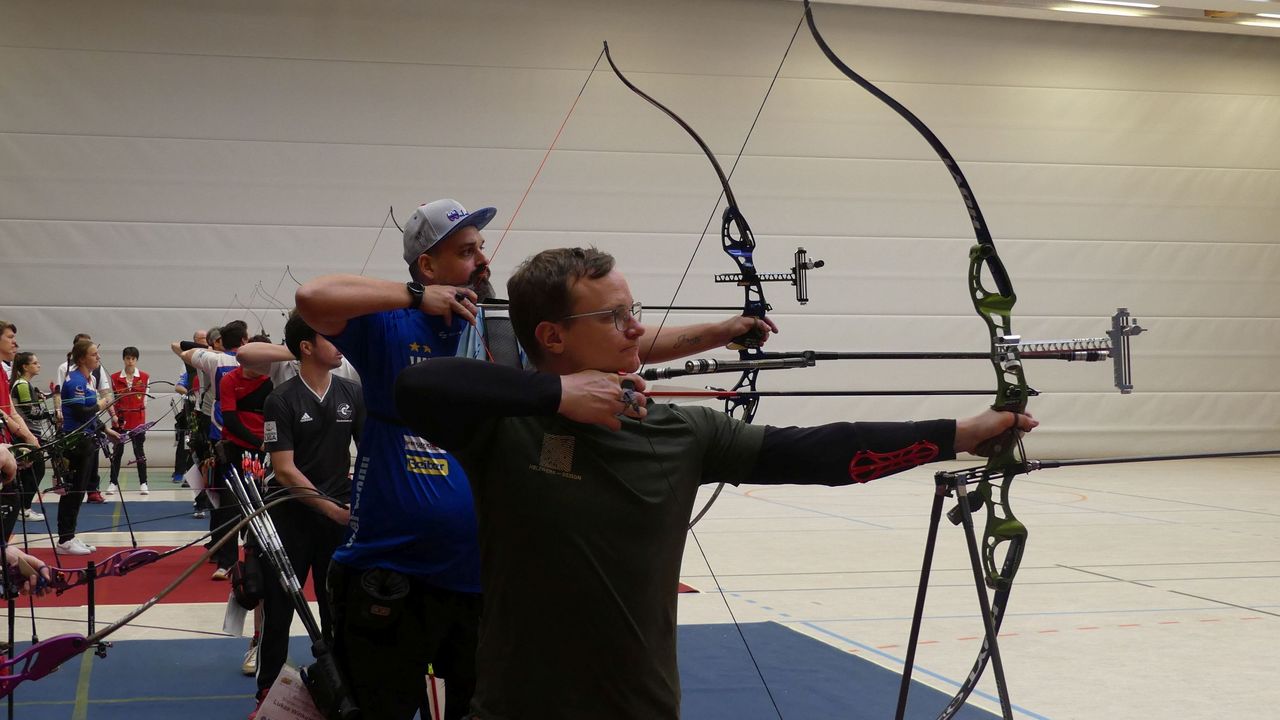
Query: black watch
[[415, 289]]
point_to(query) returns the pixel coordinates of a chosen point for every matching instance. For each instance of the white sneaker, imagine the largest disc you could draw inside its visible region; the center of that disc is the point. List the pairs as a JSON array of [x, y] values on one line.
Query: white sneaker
[[74, 547], [31, 515], [250, 664], [143, 489], [111, 489]]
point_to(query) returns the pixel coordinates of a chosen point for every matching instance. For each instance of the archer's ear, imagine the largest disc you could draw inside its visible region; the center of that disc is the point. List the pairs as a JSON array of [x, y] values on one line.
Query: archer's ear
[[426, 268], [549, 337]]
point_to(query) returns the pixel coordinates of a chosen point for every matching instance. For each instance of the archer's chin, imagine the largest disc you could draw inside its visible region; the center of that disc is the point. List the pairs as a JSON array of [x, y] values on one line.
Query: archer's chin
[[631, 364]]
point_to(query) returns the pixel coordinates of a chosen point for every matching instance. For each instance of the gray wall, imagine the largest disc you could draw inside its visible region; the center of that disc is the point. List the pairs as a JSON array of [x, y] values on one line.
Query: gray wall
[[161, 161]]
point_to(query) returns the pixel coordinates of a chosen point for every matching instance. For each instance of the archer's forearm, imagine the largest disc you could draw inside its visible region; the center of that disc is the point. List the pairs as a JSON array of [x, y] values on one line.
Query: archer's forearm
[[260, 356], [329, 301], [292, 478], [845, 453], [672, 343], [18, 427], [444, 398]]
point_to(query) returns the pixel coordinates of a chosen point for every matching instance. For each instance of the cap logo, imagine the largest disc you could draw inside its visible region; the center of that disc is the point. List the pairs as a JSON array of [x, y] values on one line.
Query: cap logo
[[454, 215]]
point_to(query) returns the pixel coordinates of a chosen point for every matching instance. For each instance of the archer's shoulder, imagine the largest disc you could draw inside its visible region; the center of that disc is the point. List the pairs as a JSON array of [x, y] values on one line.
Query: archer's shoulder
[[710, 424], [286, 387], [204, 357], [348, 386], [693, 415]]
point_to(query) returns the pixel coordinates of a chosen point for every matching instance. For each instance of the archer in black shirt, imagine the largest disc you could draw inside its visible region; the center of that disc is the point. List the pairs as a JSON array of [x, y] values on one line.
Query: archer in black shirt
[[310, 422]]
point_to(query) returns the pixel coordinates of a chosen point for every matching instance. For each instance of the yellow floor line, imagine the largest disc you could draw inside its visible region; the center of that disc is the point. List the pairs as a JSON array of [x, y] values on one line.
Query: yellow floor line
[[81, 710], [139, 699]]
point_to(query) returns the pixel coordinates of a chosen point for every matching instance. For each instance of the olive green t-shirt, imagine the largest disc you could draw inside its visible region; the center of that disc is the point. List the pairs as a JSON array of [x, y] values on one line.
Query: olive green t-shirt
[[582, 530]]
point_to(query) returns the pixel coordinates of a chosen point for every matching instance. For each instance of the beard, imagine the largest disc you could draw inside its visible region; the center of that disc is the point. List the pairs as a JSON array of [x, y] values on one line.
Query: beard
[[480, 284]]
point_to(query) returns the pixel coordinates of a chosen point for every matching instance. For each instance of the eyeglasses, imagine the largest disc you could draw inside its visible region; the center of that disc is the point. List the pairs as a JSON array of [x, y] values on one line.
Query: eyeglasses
[[623, 315]]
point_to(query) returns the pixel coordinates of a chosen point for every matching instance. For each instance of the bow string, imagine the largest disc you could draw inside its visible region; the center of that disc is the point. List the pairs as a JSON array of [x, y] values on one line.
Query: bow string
[[738, 243]]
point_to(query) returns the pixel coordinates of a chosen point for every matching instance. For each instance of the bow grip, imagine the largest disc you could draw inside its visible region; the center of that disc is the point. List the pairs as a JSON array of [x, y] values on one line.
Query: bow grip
[[752, 339], [1011, 399], [994, 446]]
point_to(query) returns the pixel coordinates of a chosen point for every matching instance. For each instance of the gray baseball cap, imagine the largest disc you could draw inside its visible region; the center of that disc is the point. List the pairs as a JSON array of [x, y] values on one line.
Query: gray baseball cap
[[435, 221]]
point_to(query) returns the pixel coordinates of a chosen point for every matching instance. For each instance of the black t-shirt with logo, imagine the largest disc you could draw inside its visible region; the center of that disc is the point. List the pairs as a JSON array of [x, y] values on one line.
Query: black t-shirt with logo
[[317, 429]]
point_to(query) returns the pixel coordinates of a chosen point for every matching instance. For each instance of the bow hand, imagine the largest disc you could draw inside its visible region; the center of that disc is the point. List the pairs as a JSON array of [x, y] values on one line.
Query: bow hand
[[748, 331], [986, 433]]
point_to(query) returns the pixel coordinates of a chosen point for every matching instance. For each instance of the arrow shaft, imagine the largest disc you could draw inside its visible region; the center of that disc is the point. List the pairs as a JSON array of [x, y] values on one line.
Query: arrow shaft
[[1044, 464], [809, 393]]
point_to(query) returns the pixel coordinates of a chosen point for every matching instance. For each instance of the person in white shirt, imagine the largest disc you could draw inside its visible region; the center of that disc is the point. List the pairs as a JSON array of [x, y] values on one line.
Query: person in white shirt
[[212, 364]]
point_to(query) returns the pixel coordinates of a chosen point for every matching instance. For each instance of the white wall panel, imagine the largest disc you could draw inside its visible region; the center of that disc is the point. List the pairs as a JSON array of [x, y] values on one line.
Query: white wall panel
[[162, 162], [834, 118], [289, 101]]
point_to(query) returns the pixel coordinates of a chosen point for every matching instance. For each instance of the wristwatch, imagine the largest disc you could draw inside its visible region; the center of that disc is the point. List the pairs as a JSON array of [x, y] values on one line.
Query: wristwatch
[[415, 289]]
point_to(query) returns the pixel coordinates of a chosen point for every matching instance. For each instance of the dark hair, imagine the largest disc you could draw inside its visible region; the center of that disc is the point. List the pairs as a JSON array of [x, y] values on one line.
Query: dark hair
[[6, 325], [78, 338], [234, 334], [260, 337], [21, 361], [539, 289], [78, 352], [297, 331], [130, 352]]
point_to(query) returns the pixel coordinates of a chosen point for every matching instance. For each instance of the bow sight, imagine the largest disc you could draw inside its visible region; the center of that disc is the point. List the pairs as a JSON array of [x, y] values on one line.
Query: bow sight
[[1008, 350], [799, 276]]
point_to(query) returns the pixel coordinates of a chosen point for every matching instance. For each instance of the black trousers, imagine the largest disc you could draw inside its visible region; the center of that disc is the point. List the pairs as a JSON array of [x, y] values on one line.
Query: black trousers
[[383, 643], [83, 462], [181, 455], [222, 517], [201, 450], [10, 508], [29, 480], [309, 540], [117, 454], [8, 516]]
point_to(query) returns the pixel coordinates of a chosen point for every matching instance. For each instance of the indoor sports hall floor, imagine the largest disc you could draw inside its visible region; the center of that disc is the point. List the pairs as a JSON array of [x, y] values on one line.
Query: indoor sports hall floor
[[1146, 591]]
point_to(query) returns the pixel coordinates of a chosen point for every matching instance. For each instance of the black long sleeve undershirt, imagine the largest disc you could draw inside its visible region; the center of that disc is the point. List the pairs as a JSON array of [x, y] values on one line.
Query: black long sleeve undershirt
[[823, 454], [445, 399], [185, 345], [232, 423]]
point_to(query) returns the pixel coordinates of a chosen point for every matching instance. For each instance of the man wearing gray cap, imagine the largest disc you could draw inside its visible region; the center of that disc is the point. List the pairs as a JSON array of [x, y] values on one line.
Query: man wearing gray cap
[[405, 583], [404, 586]]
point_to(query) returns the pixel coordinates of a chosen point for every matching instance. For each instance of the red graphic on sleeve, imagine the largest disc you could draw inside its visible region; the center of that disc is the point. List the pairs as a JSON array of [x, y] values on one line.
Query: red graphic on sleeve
[[867, 465]]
